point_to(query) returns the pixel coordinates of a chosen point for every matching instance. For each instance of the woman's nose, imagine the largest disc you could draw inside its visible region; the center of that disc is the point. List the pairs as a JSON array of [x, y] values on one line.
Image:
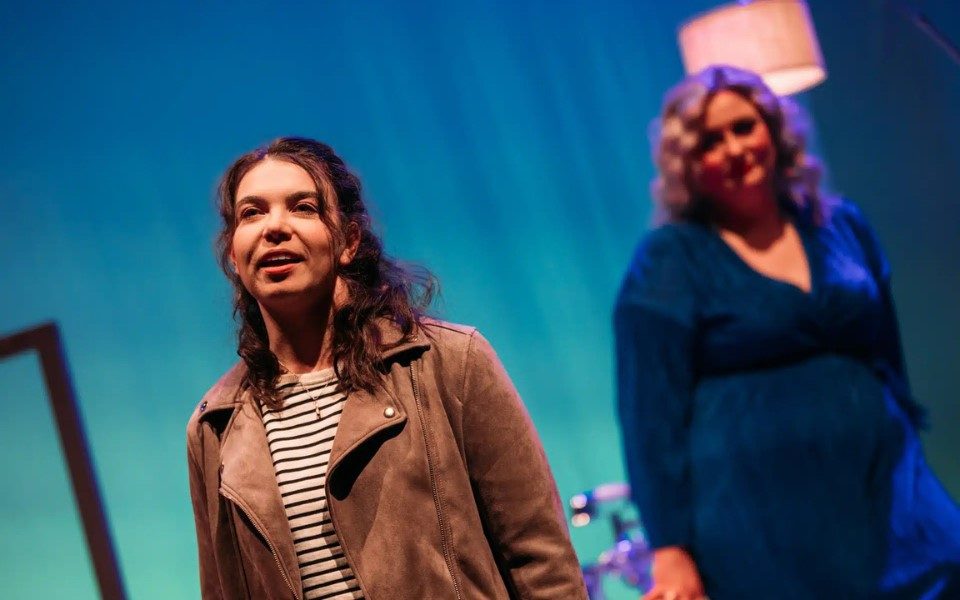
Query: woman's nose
[[276, 225], [733, 144]]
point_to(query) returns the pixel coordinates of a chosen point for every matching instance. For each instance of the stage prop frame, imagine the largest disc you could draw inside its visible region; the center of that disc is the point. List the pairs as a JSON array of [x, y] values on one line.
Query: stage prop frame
[[46, 341]]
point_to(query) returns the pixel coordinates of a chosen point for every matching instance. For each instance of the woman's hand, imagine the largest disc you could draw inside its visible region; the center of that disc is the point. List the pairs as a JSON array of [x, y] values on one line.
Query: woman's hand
[[675, 576]]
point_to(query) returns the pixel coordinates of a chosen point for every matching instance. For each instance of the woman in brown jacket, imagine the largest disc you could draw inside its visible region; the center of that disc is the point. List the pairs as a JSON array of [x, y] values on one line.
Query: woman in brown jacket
[[359, 449]]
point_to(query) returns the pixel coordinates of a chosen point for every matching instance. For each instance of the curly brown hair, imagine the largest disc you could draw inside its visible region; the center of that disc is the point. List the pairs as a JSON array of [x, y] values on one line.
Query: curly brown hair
[[676, 138], [379, 288]]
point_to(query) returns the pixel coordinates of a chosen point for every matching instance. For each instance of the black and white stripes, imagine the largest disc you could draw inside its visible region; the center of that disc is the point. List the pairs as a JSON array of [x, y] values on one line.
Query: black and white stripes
[[300, 436]]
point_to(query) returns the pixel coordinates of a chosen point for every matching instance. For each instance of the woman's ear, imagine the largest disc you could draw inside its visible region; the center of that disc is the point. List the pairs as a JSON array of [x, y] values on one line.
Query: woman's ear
[[352, 239]]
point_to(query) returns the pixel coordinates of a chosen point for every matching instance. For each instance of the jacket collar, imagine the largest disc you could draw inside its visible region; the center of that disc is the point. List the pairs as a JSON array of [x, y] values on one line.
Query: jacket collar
[[228, 391]]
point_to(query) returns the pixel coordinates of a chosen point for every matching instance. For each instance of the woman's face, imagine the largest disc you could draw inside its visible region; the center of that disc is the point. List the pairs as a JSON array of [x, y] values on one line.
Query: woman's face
[[281, 249], [735, 156]]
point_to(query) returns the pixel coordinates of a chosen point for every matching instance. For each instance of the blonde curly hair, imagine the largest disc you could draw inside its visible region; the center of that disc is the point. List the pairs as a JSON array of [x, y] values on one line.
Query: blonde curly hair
[[676, 139]]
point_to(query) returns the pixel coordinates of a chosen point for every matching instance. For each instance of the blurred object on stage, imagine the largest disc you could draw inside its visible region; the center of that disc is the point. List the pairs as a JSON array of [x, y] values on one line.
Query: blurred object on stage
[[46, 552], [924, 24], [773, 38], [630, 557]]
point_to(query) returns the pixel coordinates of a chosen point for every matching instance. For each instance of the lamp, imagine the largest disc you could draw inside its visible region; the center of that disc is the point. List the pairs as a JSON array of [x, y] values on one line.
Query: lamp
[[773, 38]]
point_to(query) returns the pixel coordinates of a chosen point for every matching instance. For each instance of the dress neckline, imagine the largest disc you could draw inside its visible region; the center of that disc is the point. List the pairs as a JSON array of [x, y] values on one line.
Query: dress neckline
[[806, 243]]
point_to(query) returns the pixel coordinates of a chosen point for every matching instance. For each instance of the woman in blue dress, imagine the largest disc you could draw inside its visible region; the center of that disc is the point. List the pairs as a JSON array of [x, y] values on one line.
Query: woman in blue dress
[[770, 435]]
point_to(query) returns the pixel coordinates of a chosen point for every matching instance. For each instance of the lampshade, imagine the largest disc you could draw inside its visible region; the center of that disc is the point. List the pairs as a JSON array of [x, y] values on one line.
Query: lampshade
[[773, 38]]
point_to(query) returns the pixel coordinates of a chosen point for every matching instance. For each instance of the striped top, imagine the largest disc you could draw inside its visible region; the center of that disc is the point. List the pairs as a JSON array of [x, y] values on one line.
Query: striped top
[[300, 436]]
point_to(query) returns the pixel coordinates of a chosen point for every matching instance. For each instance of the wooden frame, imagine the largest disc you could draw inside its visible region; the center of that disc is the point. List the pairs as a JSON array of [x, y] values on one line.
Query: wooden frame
[[45, 339]]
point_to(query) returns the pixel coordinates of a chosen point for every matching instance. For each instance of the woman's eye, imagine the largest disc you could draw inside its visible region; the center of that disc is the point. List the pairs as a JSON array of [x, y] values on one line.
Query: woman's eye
[[306, 207], [744, 126], [247, 212], [709, 141]]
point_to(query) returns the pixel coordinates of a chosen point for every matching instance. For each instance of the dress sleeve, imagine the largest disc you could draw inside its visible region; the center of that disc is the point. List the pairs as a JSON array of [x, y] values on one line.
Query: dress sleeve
[[889, 350], [654, 333], [515, 489]]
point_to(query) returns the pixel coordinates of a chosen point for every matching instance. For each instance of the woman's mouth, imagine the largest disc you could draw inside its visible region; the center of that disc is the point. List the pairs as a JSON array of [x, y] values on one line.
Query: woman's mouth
[[738, 170], [278, 263]]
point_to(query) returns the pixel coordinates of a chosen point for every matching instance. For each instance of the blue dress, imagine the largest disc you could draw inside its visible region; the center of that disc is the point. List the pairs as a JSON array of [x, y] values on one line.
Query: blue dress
[[771, 431]]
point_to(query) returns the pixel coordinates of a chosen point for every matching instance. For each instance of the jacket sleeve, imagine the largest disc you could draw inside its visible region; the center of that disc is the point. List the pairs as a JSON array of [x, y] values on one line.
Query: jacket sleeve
[[654, 330], [209, 580], [513, 484]]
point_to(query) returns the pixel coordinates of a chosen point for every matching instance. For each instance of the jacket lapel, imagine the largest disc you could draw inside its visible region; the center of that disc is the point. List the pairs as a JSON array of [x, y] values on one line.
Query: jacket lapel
[[365, 414], [248, 479]]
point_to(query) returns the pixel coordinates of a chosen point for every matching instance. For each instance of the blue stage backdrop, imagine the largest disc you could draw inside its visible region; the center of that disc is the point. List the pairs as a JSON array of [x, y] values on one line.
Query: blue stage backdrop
[[502, 144]]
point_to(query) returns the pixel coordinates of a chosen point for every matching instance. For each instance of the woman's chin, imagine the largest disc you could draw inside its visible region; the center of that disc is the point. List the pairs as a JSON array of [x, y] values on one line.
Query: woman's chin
[[286, 296]]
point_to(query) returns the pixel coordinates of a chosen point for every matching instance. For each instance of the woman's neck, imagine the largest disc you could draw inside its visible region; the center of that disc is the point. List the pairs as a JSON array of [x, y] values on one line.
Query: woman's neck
[[302, 343], [759, 223]]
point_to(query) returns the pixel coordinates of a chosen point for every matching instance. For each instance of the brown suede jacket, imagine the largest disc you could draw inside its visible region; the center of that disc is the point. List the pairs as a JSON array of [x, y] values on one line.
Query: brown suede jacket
[[437, 485]]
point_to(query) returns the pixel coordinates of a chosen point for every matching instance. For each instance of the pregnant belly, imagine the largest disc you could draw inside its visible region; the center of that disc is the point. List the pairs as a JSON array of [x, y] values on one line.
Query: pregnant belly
[[791, 469], [824, 409], [791, 466]]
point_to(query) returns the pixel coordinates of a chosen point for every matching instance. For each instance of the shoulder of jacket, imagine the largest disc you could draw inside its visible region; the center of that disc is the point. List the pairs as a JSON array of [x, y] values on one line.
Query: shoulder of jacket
[[220, 394], [449, 338], [450, 332]]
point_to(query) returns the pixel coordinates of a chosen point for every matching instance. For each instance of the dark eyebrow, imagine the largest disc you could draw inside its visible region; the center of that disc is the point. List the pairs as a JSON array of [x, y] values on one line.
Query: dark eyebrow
[[250, 199], [294, 197], [297, 196]]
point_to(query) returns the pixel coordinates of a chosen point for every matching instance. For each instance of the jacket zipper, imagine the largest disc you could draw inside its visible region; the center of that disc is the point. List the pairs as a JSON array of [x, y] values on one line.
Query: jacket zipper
[[433, 485], [343, 543], [273, 550]]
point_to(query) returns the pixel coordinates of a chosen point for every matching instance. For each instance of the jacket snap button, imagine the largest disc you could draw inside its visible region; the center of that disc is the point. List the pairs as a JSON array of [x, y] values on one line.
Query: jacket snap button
[[388, 412], [203, 406]]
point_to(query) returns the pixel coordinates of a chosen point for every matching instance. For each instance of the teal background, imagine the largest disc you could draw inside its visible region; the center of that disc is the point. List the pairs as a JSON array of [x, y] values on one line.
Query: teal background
[[502, 144]]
